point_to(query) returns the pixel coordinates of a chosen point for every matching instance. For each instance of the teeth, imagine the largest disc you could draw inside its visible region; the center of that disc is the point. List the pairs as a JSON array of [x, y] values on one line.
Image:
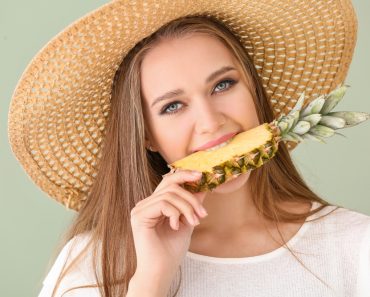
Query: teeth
[[218, 146]]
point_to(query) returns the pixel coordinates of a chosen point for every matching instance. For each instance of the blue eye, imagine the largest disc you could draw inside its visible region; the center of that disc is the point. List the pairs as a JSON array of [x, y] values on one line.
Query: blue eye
[[227, 84], [167, 108]]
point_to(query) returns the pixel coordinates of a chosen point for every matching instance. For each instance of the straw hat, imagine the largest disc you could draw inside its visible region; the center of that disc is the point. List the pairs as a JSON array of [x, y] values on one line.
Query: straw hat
[[59, 109]]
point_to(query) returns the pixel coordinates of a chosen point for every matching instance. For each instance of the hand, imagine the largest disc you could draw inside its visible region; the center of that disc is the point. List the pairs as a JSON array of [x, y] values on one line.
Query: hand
[[162, 224]]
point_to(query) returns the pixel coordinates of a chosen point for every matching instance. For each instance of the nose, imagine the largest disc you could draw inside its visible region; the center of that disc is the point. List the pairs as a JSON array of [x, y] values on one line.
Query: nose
[[208, 119]]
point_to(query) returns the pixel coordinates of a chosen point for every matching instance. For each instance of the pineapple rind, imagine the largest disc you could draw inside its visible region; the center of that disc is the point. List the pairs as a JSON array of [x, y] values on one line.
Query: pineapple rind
[[255, 159]]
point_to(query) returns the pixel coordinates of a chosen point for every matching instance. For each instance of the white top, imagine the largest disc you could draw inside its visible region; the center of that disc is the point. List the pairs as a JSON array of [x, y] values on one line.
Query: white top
[[336, 249]]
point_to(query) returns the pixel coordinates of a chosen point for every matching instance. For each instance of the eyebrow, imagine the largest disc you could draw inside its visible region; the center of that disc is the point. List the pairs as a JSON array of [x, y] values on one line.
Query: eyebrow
[[178, 92]]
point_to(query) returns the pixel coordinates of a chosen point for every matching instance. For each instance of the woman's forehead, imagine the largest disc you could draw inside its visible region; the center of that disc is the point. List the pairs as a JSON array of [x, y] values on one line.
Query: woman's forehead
[[181, 61]]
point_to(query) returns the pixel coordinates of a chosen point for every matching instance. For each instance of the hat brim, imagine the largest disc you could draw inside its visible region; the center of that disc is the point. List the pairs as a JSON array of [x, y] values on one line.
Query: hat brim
[[59, 108]]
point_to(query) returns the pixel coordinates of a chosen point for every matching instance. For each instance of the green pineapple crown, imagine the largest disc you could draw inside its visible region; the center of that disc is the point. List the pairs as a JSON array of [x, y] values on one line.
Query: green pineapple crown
[[317, 121]]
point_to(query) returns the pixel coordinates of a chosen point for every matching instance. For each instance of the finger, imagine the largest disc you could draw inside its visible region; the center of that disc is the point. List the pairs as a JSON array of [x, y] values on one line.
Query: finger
[[174, 223], [183, 220], [150, 216], [183, 206], [187, 175], [197, 203], [179, 200], [178, 177], [194, 200], [175, 200]]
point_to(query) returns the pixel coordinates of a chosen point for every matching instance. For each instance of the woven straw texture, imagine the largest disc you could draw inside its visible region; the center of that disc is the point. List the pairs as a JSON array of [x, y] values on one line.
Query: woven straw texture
[[59, 109]]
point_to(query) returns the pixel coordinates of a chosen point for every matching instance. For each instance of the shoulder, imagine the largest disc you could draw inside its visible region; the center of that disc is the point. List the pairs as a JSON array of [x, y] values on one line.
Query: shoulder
[[345, 231], [72, 249], [78, 254], [345, 218], [353, 225], [342, 220]]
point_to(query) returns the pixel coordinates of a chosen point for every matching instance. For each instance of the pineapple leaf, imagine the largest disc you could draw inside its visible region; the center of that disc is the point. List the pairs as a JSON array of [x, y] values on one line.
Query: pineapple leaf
[[332, 122], [340, 134], [352, 118], [283, 126], [322, 131], [302, 127], [318, 138], [333, 99], [287, 137], [298, 105], [313, 119], [290, 120], [295, 117], [314, 106], [309, 136], [291, 136]]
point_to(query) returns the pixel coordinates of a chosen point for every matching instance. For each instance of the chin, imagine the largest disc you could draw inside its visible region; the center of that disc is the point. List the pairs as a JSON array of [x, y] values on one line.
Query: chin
[[232, 185]]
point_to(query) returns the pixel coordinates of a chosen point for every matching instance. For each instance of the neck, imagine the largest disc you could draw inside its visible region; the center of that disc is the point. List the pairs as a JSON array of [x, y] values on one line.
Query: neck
[[229, 207]]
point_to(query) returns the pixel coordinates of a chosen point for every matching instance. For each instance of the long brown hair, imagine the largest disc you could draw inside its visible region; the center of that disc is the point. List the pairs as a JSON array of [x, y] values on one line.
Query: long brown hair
[[128, 172]]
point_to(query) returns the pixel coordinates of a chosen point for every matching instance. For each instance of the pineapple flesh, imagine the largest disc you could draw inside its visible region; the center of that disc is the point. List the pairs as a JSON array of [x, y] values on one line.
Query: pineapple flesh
[[246, 151]]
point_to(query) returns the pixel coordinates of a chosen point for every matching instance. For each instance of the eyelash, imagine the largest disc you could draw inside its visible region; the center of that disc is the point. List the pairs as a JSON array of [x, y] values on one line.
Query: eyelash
[[230, 81]]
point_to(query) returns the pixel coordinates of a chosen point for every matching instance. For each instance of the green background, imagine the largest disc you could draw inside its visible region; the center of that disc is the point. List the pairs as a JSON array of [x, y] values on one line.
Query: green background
[[31, 224]]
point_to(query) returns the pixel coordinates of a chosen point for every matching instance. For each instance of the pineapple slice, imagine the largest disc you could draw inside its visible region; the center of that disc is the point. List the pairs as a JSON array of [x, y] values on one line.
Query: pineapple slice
[[246, 151], [253, 148]]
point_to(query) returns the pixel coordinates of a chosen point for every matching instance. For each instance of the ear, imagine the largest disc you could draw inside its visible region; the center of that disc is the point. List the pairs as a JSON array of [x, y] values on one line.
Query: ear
[[149, 140], [149, 144]]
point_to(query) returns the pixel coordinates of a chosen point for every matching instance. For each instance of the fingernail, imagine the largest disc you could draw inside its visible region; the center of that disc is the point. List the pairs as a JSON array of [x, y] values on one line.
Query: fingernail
[[196, 220], [203, 211]]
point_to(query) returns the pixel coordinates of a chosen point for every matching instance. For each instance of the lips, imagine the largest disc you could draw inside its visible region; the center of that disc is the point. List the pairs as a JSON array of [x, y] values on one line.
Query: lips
[[215, 142]]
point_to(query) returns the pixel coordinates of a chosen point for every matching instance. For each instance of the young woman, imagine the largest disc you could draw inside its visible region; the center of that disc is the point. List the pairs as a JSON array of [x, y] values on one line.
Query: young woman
[[140, 233]]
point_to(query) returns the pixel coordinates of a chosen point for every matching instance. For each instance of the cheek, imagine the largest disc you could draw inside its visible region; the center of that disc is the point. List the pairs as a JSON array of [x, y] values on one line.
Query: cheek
[[172, 142], [249, 110], [243, 111]]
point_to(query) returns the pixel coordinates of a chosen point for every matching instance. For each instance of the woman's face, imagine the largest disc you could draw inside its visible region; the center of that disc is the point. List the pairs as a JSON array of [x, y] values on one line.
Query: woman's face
[[205, 95]]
